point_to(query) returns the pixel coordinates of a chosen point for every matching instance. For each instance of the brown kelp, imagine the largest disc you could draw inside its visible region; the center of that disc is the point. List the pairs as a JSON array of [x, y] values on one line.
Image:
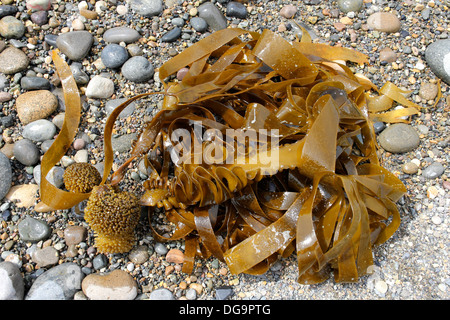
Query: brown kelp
[[324, 197]]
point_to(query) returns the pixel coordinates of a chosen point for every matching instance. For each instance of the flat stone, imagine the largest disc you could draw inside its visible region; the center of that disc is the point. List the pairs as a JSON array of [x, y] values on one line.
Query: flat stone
[[161, 294], [39, 130], [10, 27], [123, 143], [138, 69], [117, 285], [399, 138], [388, 55], [114, 56], [147, 8], [45, 257], [433, 171], [99, 88], [39, 4], [26, 152], [139, 254], [224, 293], [175, 256], [212, 15], [39, 17], [35, 105], [6, 174], [121, 34], [58, 283], [114, 103], [13, 60], [33, 230], [75, 44], [288, 11], [12, 286], [34, 83], [437, 56], [384, 22], [171, 35], [7, 10]]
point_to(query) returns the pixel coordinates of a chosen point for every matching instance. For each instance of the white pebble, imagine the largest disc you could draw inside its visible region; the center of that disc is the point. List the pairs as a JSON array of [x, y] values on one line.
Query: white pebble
[[121, 9], [381, 287], [436, 220], [130, 267]]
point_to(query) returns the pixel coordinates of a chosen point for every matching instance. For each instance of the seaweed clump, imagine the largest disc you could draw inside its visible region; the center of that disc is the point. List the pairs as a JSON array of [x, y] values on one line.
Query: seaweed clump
[[81, 177], [326, 199], [113, 215]]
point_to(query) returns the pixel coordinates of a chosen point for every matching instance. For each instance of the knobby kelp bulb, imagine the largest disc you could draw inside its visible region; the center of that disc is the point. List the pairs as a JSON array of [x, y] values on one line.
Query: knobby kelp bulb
[[81, 177], [113, 215]]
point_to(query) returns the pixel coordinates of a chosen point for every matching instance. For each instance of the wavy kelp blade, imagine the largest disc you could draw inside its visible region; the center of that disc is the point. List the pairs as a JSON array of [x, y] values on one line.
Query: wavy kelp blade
[[50, 195]]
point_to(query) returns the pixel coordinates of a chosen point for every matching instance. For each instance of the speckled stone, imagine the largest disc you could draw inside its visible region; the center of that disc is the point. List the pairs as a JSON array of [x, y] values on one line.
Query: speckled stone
[[433, 171], [399, 138], [117, 285], [35, 105], [45, 257], [26, 152], [384, 22], [114, 56], [138, 69], [75, 234], [11, 28], [13, 60]]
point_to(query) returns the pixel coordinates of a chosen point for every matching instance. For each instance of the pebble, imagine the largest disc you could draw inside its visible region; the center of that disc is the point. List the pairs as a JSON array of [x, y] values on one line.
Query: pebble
[[33, 230], [10, 27], [171, 35], [161, 294], [26, 152], [6, 174], [428, 91], [7, 10], [399, 138], [175, 256], [75, 234], [223, 293], [45, 257], [388, 55], [39, 17], [384, 22], [199, 24], [121, 34], [35, 105], [12, 286], [81, 156], [39, 130], [147, 8], [288, 11], [100, 88], [58, 283], [5, 96], [212, 15], [350, 5], [34, 83], [433, 171], [410, 168], [54, 176], [39, 4], [381, 287], [236, 10], [81, 78], [114, 103], [114, 56], [13, 60], [138, 69], [117, 285], [139, 254], [75, 44], [437, 56]]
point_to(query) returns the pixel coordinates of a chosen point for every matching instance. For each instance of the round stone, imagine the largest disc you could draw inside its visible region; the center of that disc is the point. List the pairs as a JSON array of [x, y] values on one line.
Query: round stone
[[428, 91], [10, 27], [39, 130], [147, 8], [39, 17], [138, 69], [6, 174], [437, 56], [13, 60], [75, 44], [114, 103], [121, 34], [100, 88], [26, 152], [410, 168], [33, 230], [399, 138], [39, 4], [35, 105], [161, 294], [117, 285], [45, 257], [114, 56], [384, 22], [212, 15], [288, 11], [433, 171], [139, 255], [236, 10], [75, 234], [12, 286], [350, 5], [34, 83], [171, 35], [199, 24]]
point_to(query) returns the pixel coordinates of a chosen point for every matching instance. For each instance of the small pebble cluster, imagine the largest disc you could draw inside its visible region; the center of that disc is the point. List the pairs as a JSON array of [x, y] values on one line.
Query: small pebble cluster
[[114, 49]]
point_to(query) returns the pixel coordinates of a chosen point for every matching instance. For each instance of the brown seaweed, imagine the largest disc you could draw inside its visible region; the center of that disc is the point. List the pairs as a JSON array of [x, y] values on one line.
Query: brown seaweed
[[327, 199]]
